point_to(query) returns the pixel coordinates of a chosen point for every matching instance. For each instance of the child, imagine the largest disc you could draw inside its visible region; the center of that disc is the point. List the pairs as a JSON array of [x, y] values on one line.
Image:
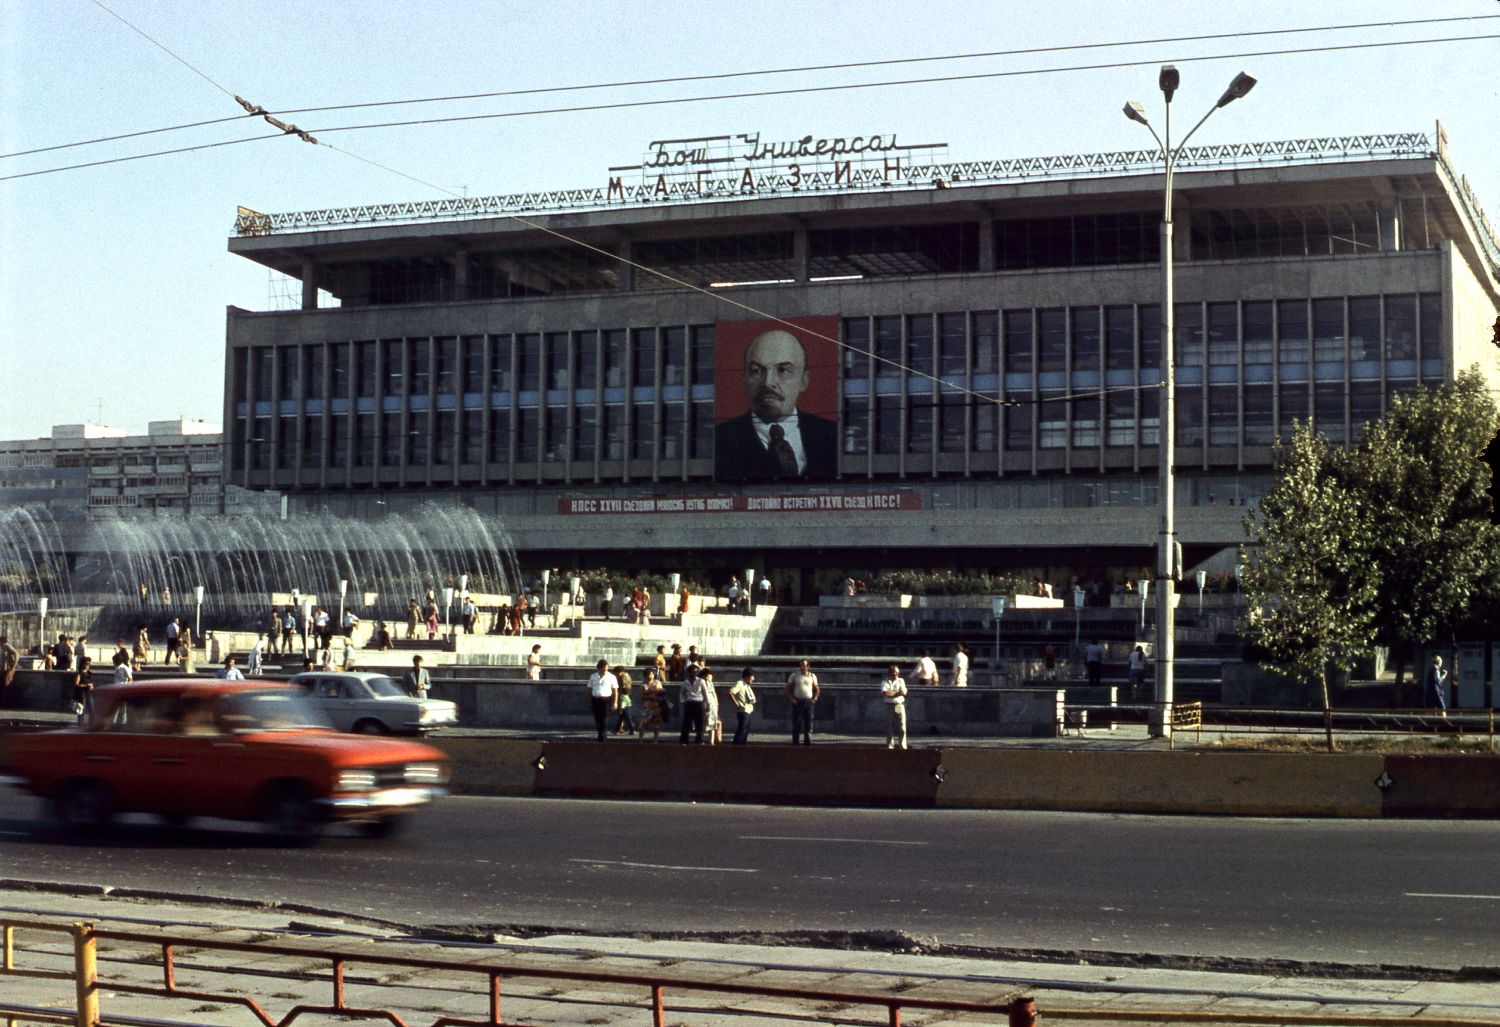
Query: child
[[625, 723]]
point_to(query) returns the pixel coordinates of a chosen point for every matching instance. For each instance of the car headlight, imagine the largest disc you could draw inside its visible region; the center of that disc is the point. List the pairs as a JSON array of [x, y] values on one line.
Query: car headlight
[[355, 781], [425, 773]]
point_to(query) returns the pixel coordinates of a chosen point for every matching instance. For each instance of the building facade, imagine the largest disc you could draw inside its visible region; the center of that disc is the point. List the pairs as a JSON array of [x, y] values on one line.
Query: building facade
[[982, 340]]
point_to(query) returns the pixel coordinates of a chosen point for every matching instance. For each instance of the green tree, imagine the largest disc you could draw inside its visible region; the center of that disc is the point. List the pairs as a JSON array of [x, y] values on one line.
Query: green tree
[[1310, 580], [1423, 480]]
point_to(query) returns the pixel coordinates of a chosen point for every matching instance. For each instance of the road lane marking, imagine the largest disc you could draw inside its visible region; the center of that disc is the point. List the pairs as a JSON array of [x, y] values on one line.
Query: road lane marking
[[1448, 895], [661, 866], [800, 838]]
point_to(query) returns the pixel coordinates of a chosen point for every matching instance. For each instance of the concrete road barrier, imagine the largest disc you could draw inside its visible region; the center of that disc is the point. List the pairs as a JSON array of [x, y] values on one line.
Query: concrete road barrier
[[1442, 786], [492, 766]]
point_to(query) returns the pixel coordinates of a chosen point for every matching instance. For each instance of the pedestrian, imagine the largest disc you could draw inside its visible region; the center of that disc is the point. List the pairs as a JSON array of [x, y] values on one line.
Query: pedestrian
[[524, 608], [416, 681], [288, 629], [185, 649], [431, 616], [742, 694], [10, 659], [802, 689], [711, 707], [661, 663], [624, 716], [229, 671], [83, 690], [676, 663], [645, 605], [1435, 687], [142, 651], [257, 656], [653, 709], [470, 614], [413, 617], [607, 603], [1049, 662], [1137, 672], [273, 631], [602, 689], [534, 663], [893, 690], [1093, 663], [765, 591], [174, 639], [62, 653], [382, 637], [926, 673], [694, 707], [350, 622], [124, 672], [960, 666], [683, 596], [516, 612], [323, 631]]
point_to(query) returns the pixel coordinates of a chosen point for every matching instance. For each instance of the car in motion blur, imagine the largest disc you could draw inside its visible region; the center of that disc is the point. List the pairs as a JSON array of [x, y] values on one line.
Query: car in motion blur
[[368, 703], [260, 752]]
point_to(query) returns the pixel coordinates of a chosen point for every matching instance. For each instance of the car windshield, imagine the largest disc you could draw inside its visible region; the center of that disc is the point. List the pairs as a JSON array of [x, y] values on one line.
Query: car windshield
[[385, 686], [270, 710]]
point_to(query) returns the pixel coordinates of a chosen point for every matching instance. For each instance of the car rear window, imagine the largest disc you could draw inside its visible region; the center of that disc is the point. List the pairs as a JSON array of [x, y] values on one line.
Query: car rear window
[[269, 710]]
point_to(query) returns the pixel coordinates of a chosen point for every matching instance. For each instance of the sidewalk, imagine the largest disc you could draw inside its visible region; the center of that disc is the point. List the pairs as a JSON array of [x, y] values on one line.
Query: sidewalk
[[421, 996]]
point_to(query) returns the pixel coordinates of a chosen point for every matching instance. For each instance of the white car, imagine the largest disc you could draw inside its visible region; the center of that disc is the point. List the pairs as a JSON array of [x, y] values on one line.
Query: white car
[[374, 704]]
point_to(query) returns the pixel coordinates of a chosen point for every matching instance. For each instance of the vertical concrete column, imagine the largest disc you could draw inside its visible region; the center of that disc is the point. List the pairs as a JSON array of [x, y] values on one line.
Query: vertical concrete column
[[626, 272], [801, 254], [309, 284], [986, 244]]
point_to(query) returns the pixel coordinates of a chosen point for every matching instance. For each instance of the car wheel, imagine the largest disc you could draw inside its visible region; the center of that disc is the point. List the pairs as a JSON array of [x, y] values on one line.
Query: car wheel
[[382, 827], [86, 807], [371, 727], [290, 816]]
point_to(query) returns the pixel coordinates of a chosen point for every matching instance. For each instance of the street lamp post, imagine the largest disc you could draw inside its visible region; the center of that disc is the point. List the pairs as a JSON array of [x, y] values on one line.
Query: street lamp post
[[448, 609], [1166, 567], [198, 612], [750, 589], [1144, 588], [1202, 577], [306, 627], [41, 625], [997, 607], [546, 580], [343, 591]]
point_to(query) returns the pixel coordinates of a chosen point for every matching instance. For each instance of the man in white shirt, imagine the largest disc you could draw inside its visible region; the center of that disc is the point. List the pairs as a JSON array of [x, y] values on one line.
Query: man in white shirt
[[257, 655], [926, 672], [230, 671], [960, 666], [802, 689], [602, 688], [893, 689]]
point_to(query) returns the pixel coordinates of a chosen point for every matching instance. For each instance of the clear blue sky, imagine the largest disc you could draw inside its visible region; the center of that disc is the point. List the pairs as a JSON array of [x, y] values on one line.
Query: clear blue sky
[[114, 279]]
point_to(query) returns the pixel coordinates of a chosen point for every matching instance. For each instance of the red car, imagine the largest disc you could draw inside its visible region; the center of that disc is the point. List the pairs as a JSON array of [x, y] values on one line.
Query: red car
[[232, 749]]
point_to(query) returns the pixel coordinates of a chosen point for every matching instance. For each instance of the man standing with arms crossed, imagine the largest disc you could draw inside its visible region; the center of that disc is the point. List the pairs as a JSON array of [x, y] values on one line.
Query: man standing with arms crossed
[[893, 689], [802, 689], [602, 688]]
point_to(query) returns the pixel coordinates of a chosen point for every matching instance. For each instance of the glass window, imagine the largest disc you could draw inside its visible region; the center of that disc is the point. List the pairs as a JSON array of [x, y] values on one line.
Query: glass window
[[312, 442], [1020, 420], [986, 352], [260, 443], [643, 359], [444, 436], [1119, 338], [1364, 406], [312, 372], [528, 428], [1053, 431], [473, 356], [1189, 408], [1292, 407], [471, 441], [953, 331], [1224, 334], [1223, 415], [364, 371], [556, 445], [1150, 417], [643, 429], [919, 425], [338, 441], [703, 354], [703, 431], [614, 361], [395, 361], [1150, 326], [1188, 331], [986, 432], [1260, 422], [614, 431], [855, 353], [1432, 326], [286, 442], [529, 363], [1400, 327], [1086, 340], [557, 360], [418, 440], [887, 345], [1119, 408], [1259, 332], [583, 433], [1328, 329], [952, 438], [446, 358], [857, 425], [1052, 338], [500, 439], [586, 360], [673, 431], [364, 440], [673, 356], [1364, 328], [887, 424], [262, 364], [288, 359], [1018, 342], [390, 440], [919, 343], [1292, 331], [501, 378], [418, 367], [1086, 422], [1329, 400]]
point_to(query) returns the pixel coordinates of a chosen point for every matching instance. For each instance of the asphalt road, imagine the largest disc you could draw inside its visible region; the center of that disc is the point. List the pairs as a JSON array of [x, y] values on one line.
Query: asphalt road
[[1361, 892]]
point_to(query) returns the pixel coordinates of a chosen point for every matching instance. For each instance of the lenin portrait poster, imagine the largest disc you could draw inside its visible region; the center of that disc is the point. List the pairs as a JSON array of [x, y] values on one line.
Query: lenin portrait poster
[[776, 399]]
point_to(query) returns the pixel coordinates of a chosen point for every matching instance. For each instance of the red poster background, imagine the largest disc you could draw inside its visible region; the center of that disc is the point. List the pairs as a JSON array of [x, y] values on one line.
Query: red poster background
[[732, 338]]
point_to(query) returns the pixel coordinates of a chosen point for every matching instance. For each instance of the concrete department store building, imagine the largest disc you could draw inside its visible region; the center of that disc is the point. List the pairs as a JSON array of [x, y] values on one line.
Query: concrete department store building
[[995, 383]]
